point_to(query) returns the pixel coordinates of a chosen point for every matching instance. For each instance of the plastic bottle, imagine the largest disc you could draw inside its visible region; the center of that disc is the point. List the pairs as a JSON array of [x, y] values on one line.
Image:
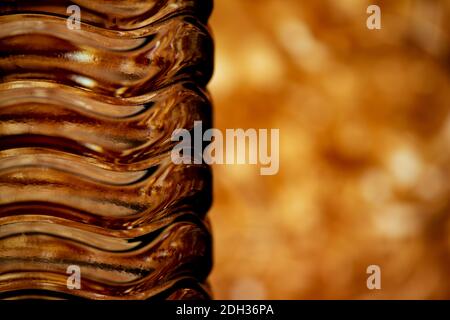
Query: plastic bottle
[[91, 205]]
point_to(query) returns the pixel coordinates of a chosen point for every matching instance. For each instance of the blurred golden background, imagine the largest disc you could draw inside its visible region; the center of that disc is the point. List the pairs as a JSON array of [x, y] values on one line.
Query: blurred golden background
[[364, 149]]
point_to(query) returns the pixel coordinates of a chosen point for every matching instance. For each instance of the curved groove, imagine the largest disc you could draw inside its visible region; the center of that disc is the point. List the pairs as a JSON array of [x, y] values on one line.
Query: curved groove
[[71, 166], [133, 160], [149, 130], [116, 275], [183, 289], [171, 254], [179, 289], [114, 15], [26, 231], [148, 198], [77, 59], [109, 107]]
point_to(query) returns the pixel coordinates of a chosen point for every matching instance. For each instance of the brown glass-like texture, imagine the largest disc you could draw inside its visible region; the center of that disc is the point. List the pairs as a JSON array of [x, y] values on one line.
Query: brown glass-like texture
[[86, 178]]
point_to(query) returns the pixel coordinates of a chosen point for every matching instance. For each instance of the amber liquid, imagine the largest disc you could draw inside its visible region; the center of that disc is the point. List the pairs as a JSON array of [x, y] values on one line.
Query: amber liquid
[[86, 178]]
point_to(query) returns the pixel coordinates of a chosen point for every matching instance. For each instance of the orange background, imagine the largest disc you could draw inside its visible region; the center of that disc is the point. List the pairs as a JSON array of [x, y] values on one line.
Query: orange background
[[364, 149]]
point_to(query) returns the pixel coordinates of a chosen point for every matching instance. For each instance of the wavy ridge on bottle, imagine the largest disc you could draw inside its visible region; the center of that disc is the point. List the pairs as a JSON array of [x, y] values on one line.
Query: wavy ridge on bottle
[[30, 119], [144, 270], [177, 49], [86, 179], [114, 15]]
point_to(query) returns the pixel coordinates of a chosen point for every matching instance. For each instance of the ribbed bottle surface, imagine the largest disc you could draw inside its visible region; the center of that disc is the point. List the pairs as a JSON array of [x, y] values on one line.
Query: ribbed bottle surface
[[86, 177]]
